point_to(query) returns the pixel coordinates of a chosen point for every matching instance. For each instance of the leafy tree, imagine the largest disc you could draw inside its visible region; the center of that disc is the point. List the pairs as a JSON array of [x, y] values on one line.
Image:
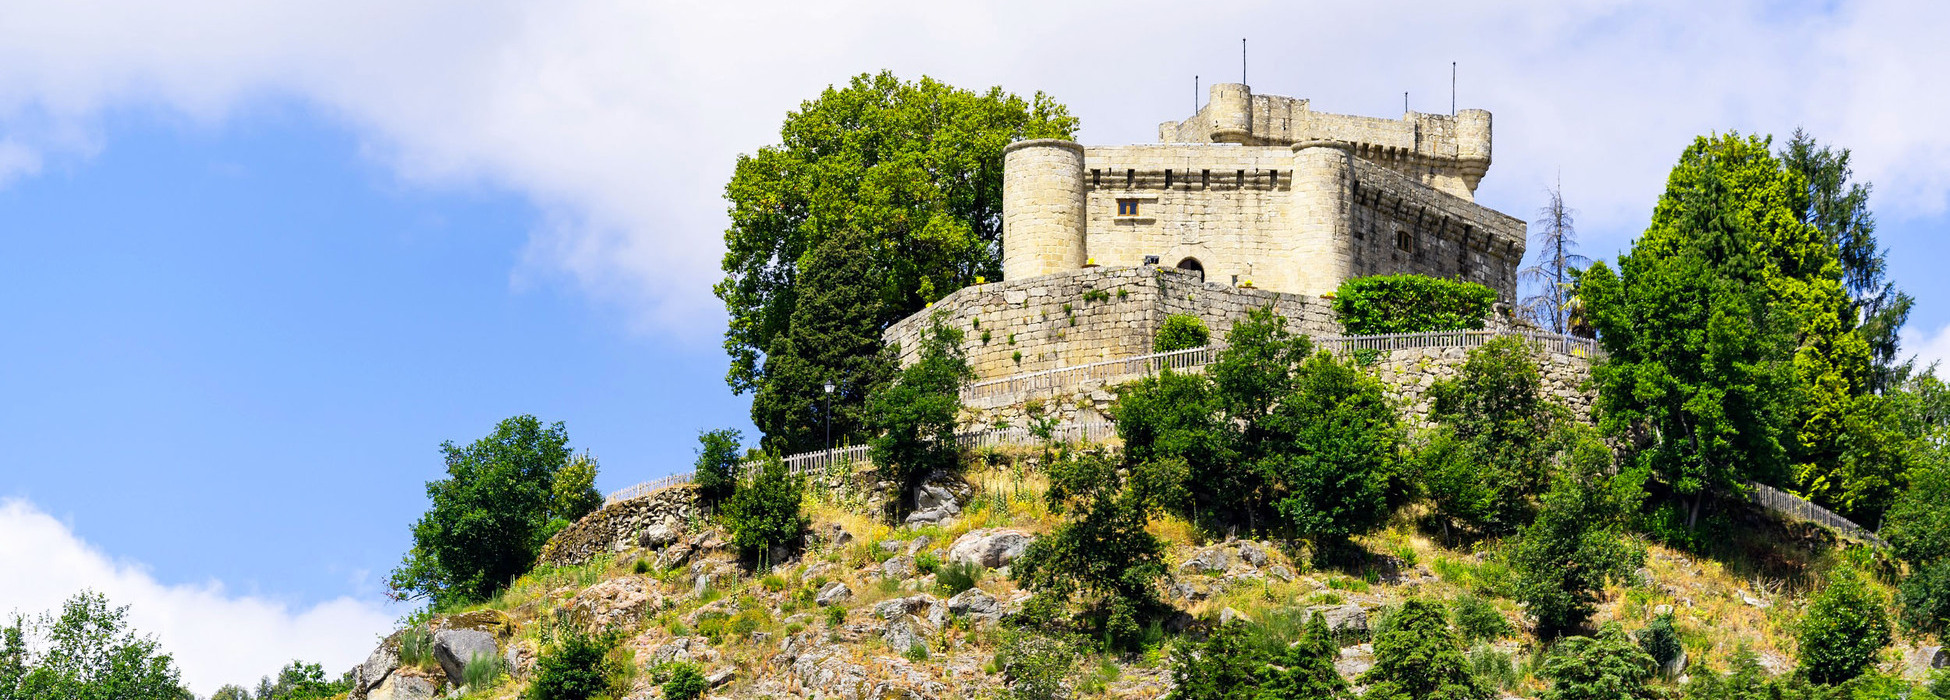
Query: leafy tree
[[765, 511], [1608, 666], [1225, 666], [574, 493], [1316, 437], [1925, 597], [1417, 657], [1732, 351], [1493, 445], [1564, 557], [1306, 670], [834, 338], [300, 681], [914, 418], [718, 460], [1839, 208], [1181, 332], [1918, 525], [89, 653], [490, 515], [231, 692], [1845, 626], [1555, 268], [916, 167], [1103, 555]]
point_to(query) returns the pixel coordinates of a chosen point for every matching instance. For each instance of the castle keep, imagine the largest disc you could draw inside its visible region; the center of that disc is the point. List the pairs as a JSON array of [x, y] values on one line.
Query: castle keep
[[1262, 191]]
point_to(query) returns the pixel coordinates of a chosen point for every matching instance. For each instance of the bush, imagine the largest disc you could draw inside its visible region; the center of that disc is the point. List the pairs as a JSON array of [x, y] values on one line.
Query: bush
[[1104, 554], [574, 665], [482, 671], [1491, 451], [913, 418], [489, 518], [1477, 620], [716, 469], [917, 653], [836, 616], [956, 576], [1306, 668], [684, 682], [416, 648], [1410, 304], [1660, 640], [1416, 656], [1843, 630], [1222, 666], [764, 512], [1606, 667], [1925, 596], [927, 562], [1577, 543], [1035, 665], [1181, 332]]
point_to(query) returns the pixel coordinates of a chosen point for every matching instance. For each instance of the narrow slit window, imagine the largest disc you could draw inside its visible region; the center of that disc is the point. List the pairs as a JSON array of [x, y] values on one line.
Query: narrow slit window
[[1273, 178], [1240, 182], [1205, 178], [1130, 178], [1096, 177], [1168, 174]]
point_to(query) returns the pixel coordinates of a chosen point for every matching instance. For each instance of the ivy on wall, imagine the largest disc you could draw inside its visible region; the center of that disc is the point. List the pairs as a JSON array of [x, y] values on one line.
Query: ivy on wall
[[1410, 304]]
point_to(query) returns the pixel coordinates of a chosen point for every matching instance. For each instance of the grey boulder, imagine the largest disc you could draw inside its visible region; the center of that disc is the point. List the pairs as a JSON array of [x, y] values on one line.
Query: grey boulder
[[454, 648], [992, 548], [401, 686]]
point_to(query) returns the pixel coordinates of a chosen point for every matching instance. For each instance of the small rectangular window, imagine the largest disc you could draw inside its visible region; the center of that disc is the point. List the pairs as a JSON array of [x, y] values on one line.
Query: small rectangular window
[[1273, 179], [1241, 181], [1096, 177], [1167, 178], [1205, 178], [1127, 207], [1130, 178], [1404, 242]]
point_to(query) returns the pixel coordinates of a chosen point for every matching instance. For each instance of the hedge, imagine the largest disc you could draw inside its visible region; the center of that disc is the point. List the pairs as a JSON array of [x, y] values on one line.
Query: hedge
[[1410, 304]]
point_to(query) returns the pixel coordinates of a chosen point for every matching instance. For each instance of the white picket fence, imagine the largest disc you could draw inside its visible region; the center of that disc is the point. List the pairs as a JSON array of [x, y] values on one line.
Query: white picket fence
[[858, 457], [1066, 379], [1794, 507]]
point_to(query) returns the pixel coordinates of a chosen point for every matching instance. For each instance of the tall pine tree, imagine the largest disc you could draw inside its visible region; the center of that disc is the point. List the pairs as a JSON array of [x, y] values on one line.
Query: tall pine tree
[[834, 338]]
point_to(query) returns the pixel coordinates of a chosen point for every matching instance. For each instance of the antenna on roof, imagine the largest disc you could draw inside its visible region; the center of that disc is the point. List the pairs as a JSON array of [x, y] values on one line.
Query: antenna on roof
[[1404, 102], [1194, 94], [1452, 88], [1242, 60]]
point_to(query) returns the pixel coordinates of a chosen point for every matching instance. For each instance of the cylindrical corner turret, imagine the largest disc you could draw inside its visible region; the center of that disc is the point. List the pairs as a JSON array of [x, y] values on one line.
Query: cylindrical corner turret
[[1042, 208], [1230, 113], [1473, 145], [1322, 211]]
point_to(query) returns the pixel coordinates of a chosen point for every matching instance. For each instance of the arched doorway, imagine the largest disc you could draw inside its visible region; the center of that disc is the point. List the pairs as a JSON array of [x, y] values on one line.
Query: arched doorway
[[1192, 265]]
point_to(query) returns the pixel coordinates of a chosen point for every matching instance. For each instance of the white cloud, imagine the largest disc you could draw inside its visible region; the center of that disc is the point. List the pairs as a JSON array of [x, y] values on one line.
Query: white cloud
[[1928, 348], [621, 119], [215, 636]]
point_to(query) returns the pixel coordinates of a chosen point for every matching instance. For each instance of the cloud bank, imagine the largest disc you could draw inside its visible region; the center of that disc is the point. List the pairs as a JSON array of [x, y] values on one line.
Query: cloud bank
[[620, 120], [216, 637]]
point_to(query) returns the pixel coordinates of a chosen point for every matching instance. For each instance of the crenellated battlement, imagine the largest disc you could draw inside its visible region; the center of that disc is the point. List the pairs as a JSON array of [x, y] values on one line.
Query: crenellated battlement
[[1449, 153]]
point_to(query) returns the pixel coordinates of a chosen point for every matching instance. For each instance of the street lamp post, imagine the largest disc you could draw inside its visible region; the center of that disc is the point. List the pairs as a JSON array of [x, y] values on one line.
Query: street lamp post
[[829, 416]]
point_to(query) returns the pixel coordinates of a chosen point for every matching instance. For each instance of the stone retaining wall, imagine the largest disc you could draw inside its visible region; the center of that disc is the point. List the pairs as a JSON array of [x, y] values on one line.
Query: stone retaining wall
[[619, 526]]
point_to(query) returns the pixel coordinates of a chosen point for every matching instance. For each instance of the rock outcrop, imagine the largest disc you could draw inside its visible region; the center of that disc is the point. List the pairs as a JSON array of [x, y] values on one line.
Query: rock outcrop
[[991, 548], [650, 521]]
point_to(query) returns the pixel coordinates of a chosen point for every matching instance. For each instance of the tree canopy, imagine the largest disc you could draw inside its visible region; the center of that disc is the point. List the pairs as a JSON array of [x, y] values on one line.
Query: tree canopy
[[492, 514], [914, 170], [87, 652]]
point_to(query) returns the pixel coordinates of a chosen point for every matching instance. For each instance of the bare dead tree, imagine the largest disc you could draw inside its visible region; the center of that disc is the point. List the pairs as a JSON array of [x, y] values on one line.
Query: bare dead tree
[[1550, 271]]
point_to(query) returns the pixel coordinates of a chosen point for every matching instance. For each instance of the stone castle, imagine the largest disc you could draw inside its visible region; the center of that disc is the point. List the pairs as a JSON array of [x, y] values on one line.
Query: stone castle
[[1262, 191], [1254, 201]]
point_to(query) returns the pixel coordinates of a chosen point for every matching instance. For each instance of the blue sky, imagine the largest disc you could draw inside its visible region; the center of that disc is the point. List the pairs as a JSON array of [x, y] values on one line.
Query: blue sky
[[257, 260]]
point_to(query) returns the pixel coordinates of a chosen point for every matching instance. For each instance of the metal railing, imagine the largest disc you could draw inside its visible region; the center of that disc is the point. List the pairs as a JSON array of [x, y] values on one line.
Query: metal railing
[[1064, 379], [859, 456], [1794, 507]]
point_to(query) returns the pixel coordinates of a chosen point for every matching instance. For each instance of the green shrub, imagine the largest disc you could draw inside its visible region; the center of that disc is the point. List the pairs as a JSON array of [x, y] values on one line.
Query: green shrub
[[1844, 628], [482, 671], [955, 577], [1577, 543], [574, 665], [772, 582], [916, 653], [836, 616], [1417, 656], [1096, 295], [1181, 332], [927, 562], [1925, 596], [1492, 667], [1660, 640], [416, 648], [1036, 666], [1410, 304], [1605, 667], [1477, 620], [914, 418], [684, 682], [764, 512], [716, 469], [642, 566]]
